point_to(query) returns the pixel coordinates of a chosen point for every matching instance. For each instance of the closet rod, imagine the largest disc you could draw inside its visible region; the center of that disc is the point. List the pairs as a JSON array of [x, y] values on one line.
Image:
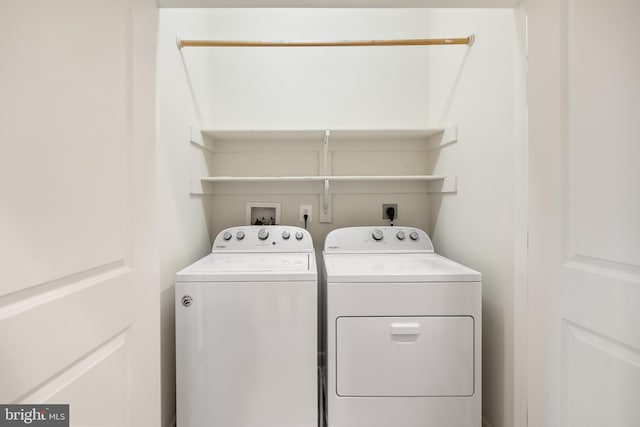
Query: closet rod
[[401, 42]]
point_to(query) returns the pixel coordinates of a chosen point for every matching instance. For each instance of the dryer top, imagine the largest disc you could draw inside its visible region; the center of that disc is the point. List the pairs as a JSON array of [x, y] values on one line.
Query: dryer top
[[378, 240], [395, 268]]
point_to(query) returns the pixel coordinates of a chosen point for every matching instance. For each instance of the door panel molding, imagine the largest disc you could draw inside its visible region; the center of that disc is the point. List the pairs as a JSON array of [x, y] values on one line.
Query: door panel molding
[[603, 267], [76, 323], [29, 298], [600, 105], [617, 379], [49, 389]]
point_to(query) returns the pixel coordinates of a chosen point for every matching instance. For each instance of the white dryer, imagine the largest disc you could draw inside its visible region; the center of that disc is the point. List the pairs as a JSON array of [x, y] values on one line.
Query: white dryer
[[403, 332], [246, 331]]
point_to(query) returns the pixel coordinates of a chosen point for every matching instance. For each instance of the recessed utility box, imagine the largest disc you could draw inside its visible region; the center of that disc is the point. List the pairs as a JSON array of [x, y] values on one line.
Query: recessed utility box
[[259, 213]]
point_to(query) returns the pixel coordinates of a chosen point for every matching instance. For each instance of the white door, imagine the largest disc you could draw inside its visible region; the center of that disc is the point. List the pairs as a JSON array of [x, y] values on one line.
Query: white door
[[584, 241], [78, 301]]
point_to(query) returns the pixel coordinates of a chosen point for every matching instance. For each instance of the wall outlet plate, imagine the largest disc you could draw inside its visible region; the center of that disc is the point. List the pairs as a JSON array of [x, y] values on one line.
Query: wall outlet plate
[[305, 209], [386, 206]]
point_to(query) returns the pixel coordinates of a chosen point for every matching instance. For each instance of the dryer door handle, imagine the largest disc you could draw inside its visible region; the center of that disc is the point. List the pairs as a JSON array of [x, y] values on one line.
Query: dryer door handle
[[405, 331], [405, 328]]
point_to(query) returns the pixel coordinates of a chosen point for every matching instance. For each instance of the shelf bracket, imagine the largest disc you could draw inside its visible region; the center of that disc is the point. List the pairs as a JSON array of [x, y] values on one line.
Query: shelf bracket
[[325, 212], [448, 185], [325, 196], [448, 136], [197, 138], [325, 149], [199, 188]]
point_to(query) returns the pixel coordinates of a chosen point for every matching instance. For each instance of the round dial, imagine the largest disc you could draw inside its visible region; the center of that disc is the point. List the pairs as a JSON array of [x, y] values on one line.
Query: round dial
[[240, 235], [413, 235], [377, 234], [285, 234], [299, 235], [263, 234], [400, 235], [226, 235]]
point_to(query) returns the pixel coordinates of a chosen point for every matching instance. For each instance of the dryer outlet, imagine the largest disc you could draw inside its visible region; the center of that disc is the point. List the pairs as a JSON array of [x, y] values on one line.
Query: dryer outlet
[[386, 211]]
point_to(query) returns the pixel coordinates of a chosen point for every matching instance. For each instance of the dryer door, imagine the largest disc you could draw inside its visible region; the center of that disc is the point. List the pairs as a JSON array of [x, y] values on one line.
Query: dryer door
[[405, 356]]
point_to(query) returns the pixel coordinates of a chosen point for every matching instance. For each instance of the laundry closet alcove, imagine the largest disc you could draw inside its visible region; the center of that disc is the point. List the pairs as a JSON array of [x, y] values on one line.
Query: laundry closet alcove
[[434, 129]]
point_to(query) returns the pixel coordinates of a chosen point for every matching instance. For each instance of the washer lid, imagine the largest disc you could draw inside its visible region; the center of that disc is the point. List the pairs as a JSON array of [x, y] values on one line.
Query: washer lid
[[398, 267], [251, 267]]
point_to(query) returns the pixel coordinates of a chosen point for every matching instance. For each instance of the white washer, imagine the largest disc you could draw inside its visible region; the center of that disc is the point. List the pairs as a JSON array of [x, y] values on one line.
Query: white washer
[[403, 332], [246, 331]]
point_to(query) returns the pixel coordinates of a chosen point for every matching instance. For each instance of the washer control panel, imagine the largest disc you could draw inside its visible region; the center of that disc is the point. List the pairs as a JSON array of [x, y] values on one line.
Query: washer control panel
[[257, 238], [378, 239]]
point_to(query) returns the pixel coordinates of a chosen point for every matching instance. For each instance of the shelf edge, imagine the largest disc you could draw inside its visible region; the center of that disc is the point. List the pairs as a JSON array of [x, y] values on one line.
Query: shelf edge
[[319, 178]]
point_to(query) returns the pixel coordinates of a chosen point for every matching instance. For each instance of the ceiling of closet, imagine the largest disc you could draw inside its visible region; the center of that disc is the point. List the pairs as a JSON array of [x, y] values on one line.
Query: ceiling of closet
[[340, 3]]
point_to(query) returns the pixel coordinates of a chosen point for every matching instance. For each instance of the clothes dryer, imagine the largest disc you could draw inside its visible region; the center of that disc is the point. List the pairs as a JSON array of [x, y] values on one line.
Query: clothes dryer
[[403, 332], [246, 331]]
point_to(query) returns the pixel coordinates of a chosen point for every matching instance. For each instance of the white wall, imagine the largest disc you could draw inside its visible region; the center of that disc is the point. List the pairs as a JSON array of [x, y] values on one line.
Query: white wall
[[357, 88], [183, 220], [482, 225], [308, 88]]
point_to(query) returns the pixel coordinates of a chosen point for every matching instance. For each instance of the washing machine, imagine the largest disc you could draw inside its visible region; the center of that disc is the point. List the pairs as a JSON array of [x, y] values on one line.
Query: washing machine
[[246, 331], [403, 332]]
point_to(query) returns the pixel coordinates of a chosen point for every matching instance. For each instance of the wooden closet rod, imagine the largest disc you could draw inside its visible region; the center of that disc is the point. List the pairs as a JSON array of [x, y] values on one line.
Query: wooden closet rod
[[402, 42]]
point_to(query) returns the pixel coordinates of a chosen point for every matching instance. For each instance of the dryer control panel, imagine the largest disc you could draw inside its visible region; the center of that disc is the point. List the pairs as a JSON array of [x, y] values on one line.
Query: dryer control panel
[[377, 239], [267, 238]]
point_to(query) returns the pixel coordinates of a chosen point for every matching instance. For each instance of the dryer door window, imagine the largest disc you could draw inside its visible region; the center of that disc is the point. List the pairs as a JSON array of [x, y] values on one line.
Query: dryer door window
[[405, 356]]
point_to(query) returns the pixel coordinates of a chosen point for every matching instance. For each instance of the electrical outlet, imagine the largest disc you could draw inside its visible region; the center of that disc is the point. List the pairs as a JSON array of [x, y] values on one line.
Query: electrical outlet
[[305, 209], [385, 208]]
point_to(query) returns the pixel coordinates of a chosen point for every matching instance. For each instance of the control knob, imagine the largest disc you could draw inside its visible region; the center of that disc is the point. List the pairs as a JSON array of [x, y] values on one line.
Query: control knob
[[240, 235], [377, 234], [299, 235], [226, 235], [285, 235], [414, 235], [263, 234], [400, 235]]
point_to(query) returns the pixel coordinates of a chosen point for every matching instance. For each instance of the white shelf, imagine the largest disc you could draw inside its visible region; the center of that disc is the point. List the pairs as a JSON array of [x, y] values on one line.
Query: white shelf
[[319, 178], [336, 134], [413, 183], [379, 140], [432, 138]]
